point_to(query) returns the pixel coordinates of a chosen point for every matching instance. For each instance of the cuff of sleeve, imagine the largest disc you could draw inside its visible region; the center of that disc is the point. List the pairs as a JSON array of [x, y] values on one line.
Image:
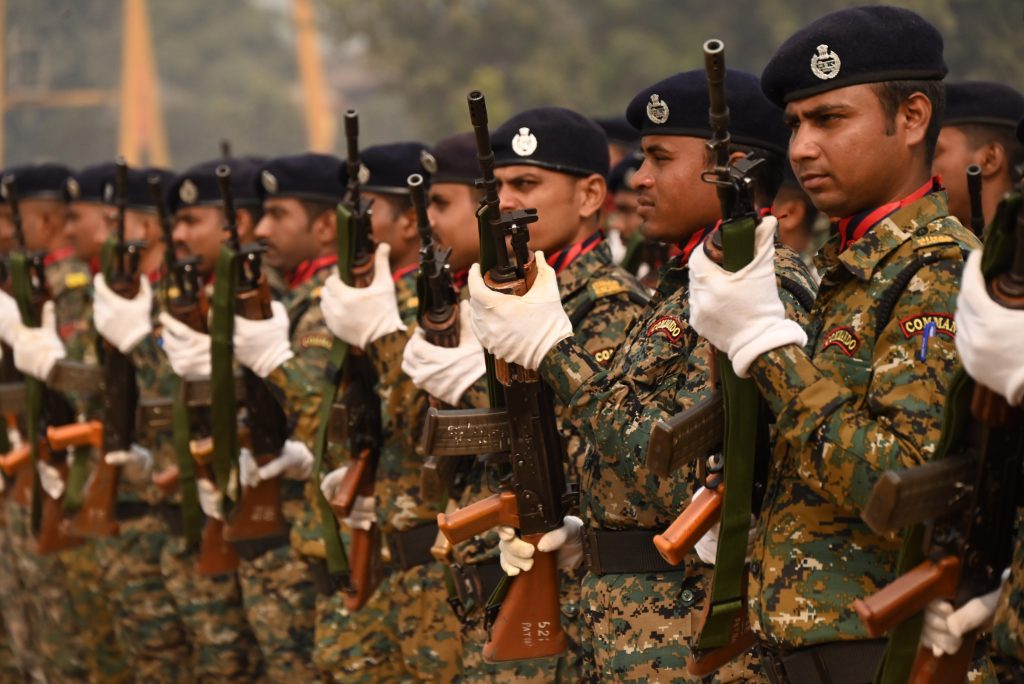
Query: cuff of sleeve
[[567, 367]]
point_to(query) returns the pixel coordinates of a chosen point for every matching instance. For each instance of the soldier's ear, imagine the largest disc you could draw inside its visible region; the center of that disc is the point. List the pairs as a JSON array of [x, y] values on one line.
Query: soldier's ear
[[325, 227], [246, 228], [992, 159], [591, 193]]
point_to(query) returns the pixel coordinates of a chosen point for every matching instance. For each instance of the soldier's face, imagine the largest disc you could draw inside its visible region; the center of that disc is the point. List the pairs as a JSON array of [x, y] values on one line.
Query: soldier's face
[[554, 195], [672, 201], [87, 227], [6, 230], [626, 215], [452, 212], [286, 231], [953, 154], [198, 231], [846, 154], [42, 221]]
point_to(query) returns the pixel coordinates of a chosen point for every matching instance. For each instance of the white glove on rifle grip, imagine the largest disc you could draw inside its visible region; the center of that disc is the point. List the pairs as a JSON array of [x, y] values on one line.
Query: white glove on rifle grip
[[37, 350], [261, 346], [50, 479], [741, 313], [361, 315], [10, 318], [443, 372], [516, 555], [523, 329], [136, 462], [294, 463], [122, 322], [944, 627], [210, 499], [187, 350]]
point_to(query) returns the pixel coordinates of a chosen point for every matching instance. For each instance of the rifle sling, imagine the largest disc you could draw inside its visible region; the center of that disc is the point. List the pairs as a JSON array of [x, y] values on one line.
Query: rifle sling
[[337, 559], [191, 514], [223, 407]]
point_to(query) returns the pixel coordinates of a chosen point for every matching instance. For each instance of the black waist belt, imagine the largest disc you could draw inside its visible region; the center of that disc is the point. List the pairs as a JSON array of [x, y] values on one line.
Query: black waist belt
[[326, 584], [838, 662], [251, 549], [130, 510], [630, 552], [475, 583], [171, 514], [411, 548]]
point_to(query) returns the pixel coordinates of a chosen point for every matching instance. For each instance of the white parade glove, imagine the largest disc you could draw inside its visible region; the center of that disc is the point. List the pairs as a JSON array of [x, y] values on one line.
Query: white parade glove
[[935, 633], [515, 555], [988, 336], [294, 463], [10, 318], [50, 479], [122, 322], [442, 372], [136, 462], [363, 513], [567, 540], [248, 469], [262, 346], [707, 546], [519, 329], [210, 499], [331, 480], [187, 350], [978, 612], [37, 350], [361, 315], [741, 313]]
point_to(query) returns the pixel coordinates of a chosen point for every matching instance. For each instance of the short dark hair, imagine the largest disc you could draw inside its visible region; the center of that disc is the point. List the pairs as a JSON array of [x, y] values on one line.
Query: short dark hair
[[894, 93], [314, 208], [399, 204], [979, 135]]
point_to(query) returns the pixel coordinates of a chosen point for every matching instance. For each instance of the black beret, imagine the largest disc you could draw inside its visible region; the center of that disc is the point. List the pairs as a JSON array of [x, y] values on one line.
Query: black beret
[[137, 195], [552, 138], [198, 185], [88, 184], [854, 46], [386, 168], [679, 105], [308, 176], [621, 175], [982, 102], [40, 181], [618, 130], [456, 160]]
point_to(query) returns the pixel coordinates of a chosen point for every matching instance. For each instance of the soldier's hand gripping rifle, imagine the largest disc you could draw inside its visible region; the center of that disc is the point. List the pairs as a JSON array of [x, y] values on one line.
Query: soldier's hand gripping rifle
[[186, 301], [356, 416], [521, 423], [43, 406], [98, 515], [960, 506], [728, 497], [438, 316], [256, 522]]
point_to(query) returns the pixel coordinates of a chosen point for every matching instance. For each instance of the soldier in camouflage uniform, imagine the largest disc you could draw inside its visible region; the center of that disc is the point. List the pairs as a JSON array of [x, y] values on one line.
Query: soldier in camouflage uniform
[[637, 609], [862, 396], [406, 629], [60, 588], [978, 127]]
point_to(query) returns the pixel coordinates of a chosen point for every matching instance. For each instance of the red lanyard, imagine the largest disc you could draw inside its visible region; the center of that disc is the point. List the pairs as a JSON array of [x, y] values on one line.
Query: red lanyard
[[402, 272], [307, 269], [853, 228], [561, 260]]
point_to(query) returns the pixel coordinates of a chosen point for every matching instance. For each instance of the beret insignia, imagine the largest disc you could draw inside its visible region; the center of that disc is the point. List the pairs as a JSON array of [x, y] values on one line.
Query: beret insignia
[[269, 181], [73, 189], [825, 64], [428, 161], [524, 143], [188, 192], [108, 193], [657, 110], [843, 338], [364, 174]]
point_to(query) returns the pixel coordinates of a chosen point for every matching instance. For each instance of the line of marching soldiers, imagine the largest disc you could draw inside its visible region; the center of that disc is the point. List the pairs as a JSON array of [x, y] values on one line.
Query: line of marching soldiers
[[215, 387]]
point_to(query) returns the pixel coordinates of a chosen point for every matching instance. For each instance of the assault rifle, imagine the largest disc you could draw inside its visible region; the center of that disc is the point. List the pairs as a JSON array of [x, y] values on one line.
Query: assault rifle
[[962, 504], [729, 494], [356, 416], [521, 425], [256, 521], [43, 406]]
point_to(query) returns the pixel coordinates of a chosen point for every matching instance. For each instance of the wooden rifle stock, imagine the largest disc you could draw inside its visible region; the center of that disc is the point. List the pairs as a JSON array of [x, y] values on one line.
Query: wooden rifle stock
[[53, 526], [908, 595], [98, 515], [477, 518], [352, 485], [693, 523], [14, 460], [216, 555], [945, 669]]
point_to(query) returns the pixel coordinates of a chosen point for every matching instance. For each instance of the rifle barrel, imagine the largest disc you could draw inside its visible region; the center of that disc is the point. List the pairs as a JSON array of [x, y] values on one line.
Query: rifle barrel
[[230, 220], [12, 201], [120, 196], [974, 193]]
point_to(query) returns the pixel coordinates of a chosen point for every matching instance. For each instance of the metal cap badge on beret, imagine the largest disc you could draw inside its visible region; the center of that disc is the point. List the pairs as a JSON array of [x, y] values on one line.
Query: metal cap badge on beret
[[552, 138], [88, 184], [308, 176], [982, 102], [456, 160], [386, 168], [40, 181], [621, 175], [679, 105], [854, 46], [198, 185]]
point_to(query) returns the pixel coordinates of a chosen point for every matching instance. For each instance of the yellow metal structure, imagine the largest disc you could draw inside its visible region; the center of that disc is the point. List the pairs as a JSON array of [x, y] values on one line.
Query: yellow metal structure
[[320, 122], [142, 137]]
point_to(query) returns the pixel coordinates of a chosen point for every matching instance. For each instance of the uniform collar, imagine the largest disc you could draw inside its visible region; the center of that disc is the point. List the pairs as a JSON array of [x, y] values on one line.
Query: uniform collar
[[58, 255], [583, 267], [404, 271], [563, 259], [863, 256], [308, 268], [852, 228]]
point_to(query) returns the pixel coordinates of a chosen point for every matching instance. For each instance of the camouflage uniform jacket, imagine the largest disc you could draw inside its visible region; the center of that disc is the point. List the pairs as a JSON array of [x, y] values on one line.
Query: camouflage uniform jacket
[[856, 403], [602, 300], [1008, 631], [662, 368], [400, 506]]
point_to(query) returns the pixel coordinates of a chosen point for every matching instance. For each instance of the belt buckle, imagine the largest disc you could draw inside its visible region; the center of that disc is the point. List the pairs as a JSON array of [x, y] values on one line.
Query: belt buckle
[[591, 552]]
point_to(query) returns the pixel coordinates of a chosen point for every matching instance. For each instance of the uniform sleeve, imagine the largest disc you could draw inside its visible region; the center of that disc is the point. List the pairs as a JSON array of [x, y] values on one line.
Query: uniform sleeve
[[298, 386], [845, 444]]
